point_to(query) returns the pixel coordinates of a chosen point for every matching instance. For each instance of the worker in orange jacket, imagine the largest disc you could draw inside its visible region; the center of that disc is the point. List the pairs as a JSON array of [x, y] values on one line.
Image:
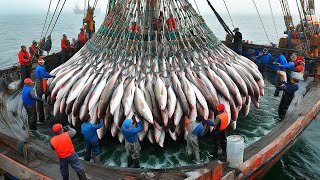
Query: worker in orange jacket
[[65, 47], [62, 144], [171, 24], [25, 63], [82, 38]]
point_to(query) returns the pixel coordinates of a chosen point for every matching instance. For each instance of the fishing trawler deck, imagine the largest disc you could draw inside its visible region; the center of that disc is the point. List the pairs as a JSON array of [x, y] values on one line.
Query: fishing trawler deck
[[28, 157]]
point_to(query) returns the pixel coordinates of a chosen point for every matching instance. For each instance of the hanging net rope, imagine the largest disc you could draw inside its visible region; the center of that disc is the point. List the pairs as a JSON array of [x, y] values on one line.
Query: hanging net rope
[[157, 59]]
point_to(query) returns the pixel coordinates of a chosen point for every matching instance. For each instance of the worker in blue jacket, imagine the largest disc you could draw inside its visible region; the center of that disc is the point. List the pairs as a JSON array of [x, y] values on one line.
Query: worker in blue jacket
[[195, 130], [263, 59], [89, 132], [288, 88], [29, 99], [41, 88], [280, 61], [130, 129]]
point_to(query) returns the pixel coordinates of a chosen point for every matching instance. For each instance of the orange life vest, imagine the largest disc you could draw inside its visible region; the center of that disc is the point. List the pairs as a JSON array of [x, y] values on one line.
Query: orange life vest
[[224, 120], [63, 145]]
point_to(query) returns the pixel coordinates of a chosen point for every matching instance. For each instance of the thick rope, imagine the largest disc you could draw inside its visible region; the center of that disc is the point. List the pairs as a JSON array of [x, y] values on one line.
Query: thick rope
[[45, 22], [197, 6], [255, 5], [58, 16], [274, 22], [225, 4], [52, 17]]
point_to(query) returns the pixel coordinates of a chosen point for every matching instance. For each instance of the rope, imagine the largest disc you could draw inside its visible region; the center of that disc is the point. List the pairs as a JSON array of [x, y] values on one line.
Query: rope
[[254, 3], [197, 6], [274, 22], [45, 22], [58, 16], [52, 17], [229, 13], [84, 9]]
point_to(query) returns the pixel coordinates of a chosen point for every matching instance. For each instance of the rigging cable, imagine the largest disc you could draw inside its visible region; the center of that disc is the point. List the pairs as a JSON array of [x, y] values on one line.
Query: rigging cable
[[84, 9], [197, 6], [254, 3], [228, 13], [274, 22], [58, 16], [52, 17], [45, 22]]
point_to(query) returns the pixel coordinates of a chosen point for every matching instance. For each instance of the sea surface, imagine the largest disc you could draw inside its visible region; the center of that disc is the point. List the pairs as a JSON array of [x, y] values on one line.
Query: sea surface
[[301, 162]]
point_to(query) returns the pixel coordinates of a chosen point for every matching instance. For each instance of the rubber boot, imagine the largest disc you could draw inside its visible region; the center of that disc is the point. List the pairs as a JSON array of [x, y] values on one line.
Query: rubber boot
[[96, 159], [197, 156], [82, 175], [129, 161], [136, 163]]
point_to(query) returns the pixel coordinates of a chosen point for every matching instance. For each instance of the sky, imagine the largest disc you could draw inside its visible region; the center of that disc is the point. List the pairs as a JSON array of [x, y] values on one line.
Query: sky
[[234, 6]]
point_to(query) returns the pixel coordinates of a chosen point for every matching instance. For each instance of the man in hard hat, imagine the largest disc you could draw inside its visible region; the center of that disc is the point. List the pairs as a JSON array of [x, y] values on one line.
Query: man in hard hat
[[195, 130], [29, 99], [24, 61], [220, 125], [130, 129], [89, 132], [62, 144], [41, 87], [288, 88]]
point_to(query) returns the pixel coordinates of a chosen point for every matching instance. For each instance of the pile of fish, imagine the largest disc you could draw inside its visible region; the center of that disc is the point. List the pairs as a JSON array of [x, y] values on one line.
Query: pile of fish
[[165, 82]]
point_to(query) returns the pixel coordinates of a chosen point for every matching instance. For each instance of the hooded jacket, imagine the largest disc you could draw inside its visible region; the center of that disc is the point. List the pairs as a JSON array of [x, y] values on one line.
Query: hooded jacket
[[130, 132]]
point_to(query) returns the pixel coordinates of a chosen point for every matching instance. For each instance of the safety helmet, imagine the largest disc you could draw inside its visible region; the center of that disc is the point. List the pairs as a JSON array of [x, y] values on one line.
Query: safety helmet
[[57, 128], [220, 107], [28, 81]]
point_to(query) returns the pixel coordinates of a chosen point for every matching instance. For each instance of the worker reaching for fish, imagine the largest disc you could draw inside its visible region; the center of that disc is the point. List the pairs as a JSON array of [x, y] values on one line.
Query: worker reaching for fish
[[130, 129], [29, 99], [89, 132], [41, 88], [62, 144], [288, 88], [220, 125], [195, 130]]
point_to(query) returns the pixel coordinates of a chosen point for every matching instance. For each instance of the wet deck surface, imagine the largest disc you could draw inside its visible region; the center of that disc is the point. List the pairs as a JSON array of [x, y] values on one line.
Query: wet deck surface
[[12, 122]]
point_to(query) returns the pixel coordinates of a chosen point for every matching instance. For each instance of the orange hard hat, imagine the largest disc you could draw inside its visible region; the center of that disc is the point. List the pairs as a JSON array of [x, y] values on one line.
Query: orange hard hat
[[40, 60], [220, 107], [28, 81], [57, 128]]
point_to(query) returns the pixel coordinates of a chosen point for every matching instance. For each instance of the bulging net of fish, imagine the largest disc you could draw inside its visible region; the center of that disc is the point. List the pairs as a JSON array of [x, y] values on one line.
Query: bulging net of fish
[[157, 59]]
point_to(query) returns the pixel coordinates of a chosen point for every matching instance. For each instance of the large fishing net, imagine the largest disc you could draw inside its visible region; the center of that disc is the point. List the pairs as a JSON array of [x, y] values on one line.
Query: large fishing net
[[157, 59]]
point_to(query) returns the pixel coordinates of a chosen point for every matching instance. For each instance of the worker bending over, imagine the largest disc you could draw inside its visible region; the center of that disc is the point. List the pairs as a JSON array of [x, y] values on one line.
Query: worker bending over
[[62, 144], [130, 129], [28, 100], [89, 132], [288, 88], [41, 88]]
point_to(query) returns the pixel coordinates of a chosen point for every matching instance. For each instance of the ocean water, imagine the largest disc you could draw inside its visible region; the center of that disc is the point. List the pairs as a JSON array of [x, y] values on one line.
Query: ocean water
[[301, 162]]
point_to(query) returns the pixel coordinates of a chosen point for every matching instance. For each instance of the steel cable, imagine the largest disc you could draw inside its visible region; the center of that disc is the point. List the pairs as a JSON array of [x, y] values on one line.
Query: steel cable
[[265, 31]]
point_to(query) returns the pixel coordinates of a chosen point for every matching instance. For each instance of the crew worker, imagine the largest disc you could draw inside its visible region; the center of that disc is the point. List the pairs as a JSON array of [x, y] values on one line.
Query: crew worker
[[47, 45], [135, 27], [237, 41], [33, 49], [62, 144], [65, 47], [130, 129], [89, 132], [288, 88], [263, 59], [90, 23], [195, 130], [280, 60], [171, 25], [220, 125], [28, 100], [41, 88], [24, 61], [82, 38]]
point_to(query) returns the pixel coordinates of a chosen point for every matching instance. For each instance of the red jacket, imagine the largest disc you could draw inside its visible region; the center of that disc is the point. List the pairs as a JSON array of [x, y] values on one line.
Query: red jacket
[[24, 58], [33, 50], [82, 37], [65, 45], [224, 120], [171, 23]]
